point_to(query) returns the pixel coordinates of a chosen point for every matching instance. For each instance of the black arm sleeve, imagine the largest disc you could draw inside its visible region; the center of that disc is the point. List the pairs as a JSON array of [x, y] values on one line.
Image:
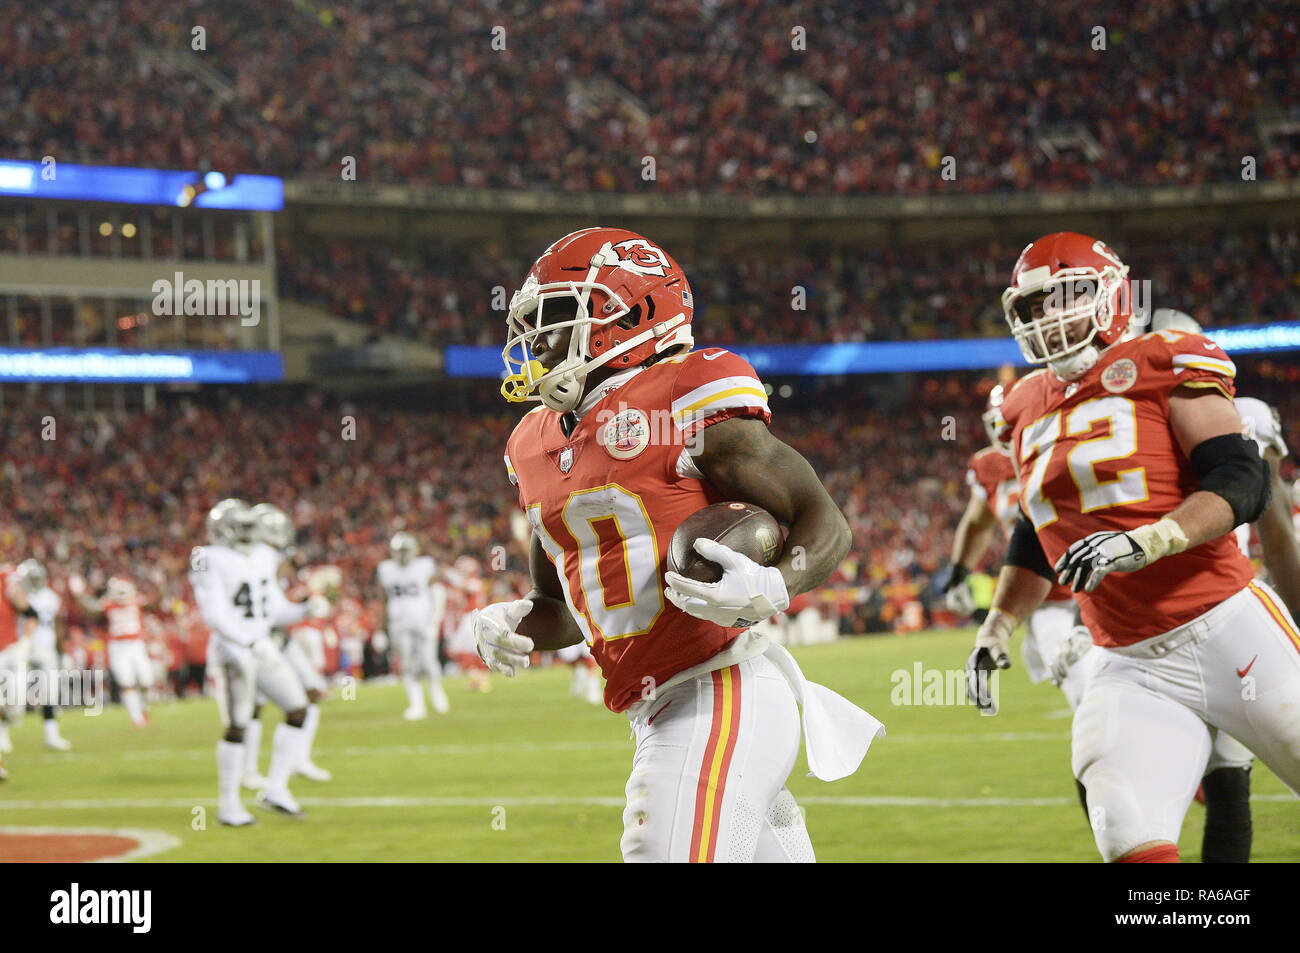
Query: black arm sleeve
[[1230, 466], [1026, 551]]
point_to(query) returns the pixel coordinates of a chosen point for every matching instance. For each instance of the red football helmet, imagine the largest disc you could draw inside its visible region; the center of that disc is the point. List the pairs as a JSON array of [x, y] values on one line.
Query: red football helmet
[[995, 424], [1066, 290], [623, 298]]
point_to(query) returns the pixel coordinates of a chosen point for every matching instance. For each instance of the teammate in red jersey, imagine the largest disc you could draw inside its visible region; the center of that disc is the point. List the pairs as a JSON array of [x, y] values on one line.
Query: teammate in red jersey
[[14, 606], [1133, 472], [637, 432], [1051, 647], [128, 658], [466, 593]]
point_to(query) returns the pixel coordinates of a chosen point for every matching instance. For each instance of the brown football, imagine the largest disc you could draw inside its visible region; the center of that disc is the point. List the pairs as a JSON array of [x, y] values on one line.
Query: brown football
[[747, 529]]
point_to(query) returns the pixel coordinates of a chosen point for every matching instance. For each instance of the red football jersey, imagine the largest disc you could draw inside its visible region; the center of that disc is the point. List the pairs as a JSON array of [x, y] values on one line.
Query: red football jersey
[[8, 617], [606, 500], [1098, 453], [992, 478], [124, 620]]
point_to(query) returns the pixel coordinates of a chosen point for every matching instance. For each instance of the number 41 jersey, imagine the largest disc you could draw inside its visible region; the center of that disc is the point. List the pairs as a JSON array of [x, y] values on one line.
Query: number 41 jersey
[[1098, 453], [605, 500]]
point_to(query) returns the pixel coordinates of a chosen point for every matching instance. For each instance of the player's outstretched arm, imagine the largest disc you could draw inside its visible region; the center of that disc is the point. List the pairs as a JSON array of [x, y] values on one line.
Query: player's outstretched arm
[[1278, 540], [745, 462], [16, 594], [974, 533], [550, 623]]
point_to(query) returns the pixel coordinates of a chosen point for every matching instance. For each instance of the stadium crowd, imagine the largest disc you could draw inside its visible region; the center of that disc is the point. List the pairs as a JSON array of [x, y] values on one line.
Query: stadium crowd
[[732, 96], [938, 291], [129, 494]]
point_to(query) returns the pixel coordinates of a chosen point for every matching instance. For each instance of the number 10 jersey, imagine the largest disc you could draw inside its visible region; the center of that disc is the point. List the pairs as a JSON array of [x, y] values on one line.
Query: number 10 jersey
[[606, 499]]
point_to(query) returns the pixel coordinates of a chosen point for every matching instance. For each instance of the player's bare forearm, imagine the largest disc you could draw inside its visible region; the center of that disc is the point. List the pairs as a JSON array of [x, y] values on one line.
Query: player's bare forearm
[[550, 622], [742, 459], [1278, 540], [1020, 591], [17, 595], [1203, 516], [974, 534]]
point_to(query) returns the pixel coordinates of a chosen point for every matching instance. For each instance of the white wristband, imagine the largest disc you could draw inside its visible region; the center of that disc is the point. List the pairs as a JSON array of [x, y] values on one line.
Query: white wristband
[[1159, 539]]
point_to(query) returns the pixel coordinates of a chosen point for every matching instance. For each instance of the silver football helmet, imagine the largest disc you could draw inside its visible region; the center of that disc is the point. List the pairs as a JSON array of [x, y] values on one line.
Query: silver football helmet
[[244, 530], [220, 531], [32, 574], [273, 526], [404, 548], [1170, 319]]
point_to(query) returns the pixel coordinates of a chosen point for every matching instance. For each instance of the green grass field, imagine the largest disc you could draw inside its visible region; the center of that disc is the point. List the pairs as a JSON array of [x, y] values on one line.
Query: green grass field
[[528, 773]]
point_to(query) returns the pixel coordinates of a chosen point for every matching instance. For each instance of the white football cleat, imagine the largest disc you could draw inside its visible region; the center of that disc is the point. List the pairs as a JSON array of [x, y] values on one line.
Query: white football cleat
[[58, 743], [281, 801], [441, 704], [253, 781], [415, 714], [312, 772], [241, 818]]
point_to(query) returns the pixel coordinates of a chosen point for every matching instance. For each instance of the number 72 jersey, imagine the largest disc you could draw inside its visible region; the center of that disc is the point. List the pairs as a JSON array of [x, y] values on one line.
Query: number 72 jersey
[[1098, 453]]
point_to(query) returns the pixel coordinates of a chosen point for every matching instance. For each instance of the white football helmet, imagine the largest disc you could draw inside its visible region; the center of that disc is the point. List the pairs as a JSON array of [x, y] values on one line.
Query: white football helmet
[[404, 548], [120, 588]]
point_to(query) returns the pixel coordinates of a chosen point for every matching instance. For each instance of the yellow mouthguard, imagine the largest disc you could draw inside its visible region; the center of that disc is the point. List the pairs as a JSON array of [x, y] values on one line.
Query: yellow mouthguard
[[516, 387]]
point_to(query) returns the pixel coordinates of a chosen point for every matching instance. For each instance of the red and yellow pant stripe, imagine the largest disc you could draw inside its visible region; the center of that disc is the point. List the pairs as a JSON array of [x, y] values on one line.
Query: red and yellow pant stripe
[[712, 785], [1278, 613]]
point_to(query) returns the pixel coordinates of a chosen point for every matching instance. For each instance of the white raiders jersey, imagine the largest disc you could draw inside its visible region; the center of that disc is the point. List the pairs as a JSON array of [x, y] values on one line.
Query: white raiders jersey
[[45, 603], [239, 594], [1262, 425], [408, 590]]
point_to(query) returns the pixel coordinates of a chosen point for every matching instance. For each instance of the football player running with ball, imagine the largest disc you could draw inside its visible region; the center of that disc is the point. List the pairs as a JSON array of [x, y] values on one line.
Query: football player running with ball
[[636, 433], [1133, 471]]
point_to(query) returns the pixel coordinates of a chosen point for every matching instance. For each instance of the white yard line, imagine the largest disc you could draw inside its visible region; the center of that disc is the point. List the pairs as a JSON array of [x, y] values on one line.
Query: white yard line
[[81, 804], [356, 751]]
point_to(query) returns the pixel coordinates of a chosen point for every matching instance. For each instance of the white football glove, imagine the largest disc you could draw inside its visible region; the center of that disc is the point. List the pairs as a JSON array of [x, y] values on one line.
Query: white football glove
[[992, 651], [747, 592], [960, 600], [494, 630], [1072, 648], [318, 607], [1091, 559]]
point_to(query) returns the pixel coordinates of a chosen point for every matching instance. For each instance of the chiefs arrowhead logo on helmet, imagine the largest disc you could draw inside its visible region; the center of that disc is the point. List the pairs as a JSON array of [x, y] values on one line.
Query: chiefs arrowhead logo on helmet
[[1067, 291], [597, 297]]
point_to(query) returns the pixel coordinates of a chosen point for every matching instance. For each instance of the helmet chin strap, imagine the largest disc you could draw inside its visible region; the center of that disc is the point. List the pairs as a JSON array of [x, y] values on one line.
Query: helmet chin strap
[[1077, 364], [561, 392]]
